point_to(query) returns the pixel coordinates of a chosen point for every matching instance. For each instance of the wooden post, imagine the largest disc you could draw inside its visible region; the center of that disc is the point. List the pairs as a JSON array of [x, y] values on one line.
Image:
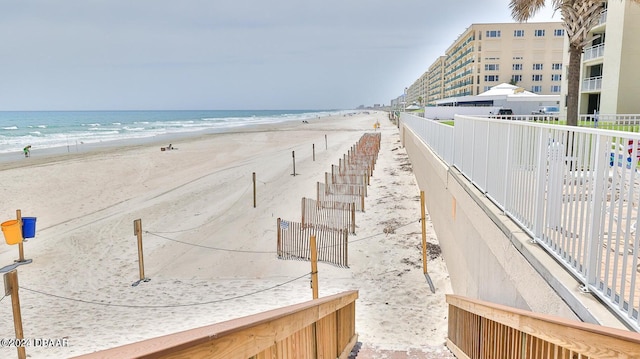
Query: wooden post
[[279, 244], [20, 245], [314, 152], [11, 287], [293, 154], [352, 206], [254, 190], [325, 142], [137, 230], [346, 249], [424, 233], [303, 211], [314, 267]]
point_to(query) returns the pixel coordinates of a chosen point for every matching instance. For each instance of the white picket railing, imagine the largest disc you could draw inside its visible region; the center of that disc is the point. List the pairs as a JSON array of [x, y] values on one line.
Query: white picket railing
[[575, 190]]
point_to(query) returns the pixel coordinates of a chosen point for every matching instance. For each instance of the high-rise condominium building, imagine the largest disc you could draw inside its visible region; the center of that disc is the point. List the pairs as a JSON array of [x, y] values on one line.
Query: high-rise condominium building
[[529, 55], [435, 81], [610, 74]]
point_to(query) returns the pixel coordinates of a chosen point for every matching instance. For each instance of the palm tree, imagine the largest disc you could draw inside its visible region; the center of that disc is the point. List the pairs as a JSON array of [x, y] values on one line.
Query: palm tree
[[579, 16]]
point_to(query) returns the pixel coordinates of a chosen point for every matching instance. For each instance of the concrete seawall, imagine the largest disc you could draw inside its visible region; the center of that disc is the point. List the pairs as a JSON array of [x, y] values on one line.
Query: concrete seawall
[[488, 256]]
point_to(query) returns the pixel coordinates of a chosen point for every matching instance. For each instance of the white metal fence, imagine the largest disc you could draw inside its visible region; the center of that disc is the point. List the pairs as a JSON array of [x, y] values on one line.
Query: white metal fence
[[575, 190], [438, 136]]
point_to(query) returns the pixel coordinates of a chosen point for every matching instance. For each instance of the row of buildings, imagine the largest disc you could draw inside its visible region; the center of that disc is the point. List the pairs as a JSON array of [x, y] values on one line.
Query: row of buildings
[[534, 57]]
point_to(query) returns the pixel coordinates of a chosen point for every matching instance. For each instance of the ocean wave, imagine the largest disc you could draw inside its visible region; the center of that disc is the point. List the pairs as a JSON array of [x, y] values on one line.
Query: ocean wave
[[10, 128]]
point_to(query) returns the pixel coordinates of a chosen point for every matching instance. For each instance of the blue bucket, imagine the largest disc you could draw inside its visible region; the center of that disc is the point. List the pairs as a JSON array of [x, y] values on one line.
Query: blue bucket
[[28, 227]]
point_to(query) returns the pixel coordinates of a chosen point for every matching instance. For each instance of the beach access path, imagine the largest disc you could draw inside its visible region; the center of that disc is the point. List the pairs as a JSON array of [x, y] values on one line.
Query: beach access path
[[209, 254]]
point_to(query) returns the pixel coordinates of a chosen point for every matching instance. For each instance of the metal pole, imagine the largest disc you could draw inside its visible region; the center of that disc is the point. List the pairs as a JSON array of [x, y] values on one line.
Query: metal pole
[[20, 246], [314, 152], [325, 142]]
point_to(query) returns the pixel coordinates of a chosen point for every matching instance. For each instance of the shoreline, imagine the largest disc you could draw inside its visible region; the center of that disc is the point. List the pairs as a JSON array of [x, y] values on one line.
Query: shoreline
[[57, 153]]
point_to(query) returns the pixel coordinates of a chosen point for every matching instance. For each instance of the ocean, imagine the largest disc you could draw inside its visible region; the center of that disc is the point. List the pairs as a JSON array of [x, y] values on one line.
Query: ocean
[[73, 129]]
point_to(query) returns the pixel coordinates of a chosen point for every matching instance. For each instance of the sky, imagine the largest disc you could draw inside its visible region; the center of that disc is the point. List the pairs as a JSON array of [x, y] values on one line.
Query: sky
[[224, 55]]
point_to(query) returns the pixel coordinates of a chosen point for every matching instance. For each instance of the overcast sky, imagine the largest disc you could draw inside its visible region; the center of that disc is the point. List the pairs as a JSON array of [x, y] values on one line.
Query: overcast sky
[[214, 54]]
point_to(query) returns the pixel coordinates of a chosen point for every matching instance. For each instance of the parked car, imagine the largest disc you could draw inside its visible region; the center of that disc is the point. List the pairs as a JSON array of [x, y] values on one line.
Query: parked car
[[546, 113], [503, 113]]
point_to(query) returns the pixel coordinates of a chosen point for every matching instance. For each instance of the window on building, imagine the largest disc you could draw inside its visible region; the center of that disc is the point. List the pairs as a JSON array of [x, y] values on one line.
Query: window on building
[[493, 33], [558, 32], [491, 67], [556, 77], [518, 33], [536, 78], [517, 57], [517, 67], [538, 33], [555, 89], [491, 78], [516, 78], [537, 67], [536, 89], [487, 88], [556, 66]]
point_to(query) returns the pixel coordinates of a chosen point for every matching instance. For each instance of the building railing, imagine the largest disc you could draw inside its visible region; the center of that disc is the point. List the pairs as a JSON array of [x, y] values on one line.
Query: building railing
[[574, 190], [321, 328], [627, 122], [479, 329], [592, 84], [593, 52], [603, 17]]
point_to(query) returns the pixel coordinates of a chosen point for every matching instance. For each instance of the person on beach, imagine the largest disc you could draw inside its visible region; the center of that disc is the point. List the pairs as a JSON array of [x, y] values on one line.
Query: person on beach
[[27, 151]]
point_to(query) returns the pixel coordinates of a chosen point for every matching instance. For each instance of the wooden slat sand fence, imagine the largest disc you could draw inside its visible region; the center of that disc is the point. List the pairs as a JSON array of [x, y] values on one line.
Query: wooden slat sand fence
[[329, 215], [360, 180], [337, 172], [369, 144], [479, 329], [293, 243], [320, 328], [344, 193]]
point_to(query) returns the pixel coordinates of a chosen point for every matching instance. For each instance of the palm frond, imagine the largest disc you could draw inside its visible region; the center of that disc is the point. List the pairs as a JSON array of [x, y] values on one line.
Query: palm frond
[[523, 10], [579, 17]]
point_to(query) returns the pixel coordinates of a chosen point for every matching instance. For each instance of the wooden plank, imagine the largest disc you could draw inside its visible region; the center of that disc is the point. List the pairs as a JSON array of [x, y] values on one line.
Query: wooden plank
[[347, 350], [238, 338], [582, 338], [456, 351]]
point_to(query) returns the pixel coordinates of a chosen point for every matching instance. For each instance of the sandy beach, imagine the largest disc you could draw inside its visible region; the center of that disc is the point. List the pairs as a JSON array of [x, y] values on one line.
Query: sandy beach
[[209, 255]]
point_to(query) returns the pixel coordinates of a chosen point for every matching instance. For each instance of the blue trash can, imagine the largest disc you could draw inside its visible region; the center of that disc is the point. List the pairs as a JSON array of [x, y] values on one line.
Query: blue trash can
[[28, 227]]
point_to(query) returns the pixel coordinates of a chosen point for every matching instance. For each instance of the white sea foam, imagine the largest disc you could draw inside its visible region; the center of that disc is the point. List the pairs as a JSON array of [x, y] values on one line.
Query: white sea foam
[[95, 130]]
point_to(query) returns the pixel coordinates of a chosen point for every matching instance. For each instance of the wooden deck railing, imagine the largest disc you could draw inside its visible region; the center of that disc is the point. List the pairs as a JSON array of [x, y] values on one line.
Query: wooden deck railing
[[321, 328], [483, 330]]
